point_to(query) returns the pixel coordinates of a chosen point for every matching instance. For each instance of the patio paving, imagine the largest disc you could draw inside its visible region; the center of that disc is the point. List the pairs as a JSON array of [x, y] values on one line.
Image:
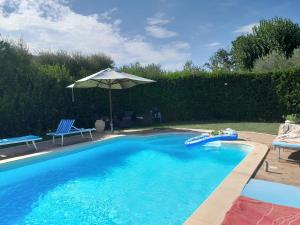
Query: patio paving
[[46, 145], [281, 172]]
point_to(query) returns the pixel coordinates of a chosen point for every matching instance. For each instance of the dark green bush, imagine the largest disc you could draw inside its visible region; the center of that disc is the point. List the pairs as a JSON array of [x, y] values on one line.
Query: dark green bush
[[203, 96], [33, 97], [293, 118]]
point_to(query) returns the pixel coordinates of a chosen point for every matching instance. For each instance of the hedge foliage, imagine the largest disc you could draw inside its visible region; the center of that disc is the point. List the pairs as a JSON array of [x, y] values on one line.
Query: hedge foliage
[[33, 97]]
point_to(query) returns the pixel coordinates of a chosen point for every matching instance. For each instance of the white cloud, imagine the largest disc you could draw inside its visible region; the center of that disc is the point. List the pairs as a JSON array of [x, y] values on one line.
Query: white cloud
[[157, 21], [155, 27], [180, 45], [214, 45], [160, 32], [246, 28], [108, 14], [53, 25]]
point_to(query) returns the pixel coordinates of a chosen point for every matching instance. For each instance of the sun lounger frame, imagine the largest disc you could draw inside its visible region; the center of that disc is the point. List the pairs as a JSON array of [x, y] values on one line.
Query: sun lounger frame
[[281, 146], [33, 139], [72, 130]]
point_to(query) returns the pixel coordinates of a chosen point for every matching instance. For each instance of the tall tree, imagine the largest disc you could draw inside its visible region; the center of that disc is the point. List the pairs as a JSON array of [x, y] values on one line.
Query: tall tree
[[220, 61], [150, 70], [277, 34], [190, 67], [274, 61], [78, 64], [295, 59]]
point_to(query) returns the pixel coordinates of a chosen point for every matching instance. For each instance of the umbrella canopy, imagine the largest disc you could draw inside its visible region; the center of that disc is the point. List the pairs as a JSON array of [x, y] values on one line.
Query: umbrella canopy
[[110, 79]]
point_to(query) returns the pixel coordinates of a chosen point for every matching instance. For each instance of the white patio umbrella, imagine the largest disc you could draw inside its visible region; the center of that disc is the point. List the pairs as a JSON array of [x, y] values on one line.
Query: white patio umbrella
[[110, 79]]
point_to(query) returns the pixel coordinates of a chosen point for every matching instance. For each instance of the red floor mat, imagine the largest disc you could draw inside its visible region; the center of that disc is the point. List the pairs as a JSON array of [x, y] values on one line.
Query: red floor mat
[[247, 211]]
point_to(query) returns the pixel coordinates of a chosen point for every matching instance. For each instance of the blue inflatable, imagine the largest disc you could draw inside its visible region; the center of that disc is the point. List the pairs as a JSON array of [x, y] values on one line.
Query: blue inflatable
[[226, 135]]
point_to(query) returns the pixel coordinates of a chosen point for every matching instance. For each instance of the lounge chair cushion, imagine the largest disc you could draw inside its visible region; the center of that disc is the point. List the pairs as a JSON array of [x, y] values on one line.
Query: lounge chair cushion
[[272, 192], [21, 139], [286, 144]]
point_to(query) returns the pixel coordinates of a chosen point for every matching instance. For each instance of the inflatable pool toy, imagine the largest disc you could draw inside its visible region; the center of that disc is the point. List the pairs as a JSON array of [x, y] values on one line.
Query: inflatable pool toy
[[224, 135]]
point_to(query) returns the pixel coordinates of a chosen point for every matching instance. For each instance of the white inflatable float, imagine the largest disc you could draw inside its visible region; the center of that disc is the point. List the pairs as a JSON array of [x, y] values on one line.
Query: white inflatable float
[[224, 135]]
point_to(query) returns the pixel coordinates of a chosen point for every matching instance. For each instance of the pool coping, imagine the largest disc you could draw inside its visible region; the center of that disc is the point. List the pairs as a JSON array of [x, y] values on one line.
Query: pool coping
[[214, 208], [57, 150], [212, 211]]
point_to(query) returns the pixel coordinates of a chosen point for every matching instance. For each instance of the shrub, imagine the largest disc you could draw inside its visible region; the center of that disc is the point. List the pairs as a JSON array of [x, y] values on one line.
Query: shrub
[[33, 94], [276, 61], [295, 59], [294, 118], [271, 62]]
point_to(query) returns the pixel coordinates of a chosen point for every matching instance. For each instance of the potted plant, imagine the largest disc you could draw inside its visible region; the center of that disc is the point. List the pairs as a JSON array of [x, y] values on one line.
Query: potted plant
[[100, 125], [292, 118]]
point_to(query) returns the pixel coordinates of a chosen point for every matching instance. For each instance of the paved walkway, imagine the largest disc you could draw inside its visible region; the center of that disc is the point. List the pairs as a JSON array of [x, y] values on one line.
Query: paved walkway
[[44, 146], [282, 172]]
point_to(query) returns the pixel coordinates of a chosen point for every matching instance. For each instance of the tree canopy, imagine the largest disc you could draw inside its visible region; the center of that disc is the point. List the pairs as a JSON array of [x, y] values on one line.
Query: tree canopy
[[277, 34], [220, 61], [79, 65], [276, 61]]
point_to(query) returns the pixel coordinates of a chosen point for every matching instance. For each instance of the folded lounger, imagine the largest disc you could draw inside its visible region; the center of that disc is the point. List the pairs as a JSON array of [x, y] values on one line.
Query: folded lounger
[[65, 127], [272, 192], [282, 145], [264, 202], [26, 139]]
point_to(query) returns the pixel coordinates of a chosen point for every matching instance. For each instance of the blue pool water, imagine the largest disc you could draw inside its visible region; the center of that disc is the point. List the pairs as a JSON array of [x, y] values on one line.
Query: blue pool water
[[128, 180]]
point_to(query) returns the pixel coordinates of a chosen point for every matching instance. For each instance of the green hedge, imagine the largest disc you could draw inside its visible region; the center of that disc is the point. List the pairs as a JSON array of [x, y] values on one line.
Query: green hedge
[[33, 97], [237, 97]]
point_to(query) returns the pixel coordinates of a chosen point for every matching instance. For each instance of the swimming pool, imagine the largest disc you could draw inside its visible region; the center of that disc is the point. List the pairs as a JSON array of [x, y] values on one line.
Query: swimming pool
[[152, 179]]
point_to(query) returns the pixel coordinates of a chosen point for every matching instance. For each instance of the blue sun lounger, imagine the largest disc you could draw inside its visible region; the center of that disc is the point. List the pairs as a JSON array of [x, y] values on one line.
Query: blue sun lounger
[[65, 127], [284, 145], [276, 193], [24, 139]]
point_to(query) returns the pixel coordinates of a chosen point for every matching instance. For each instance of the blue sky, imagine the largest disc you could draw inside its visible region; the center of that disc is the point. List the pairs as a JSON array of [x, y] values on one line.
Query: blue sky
[[167, 32]]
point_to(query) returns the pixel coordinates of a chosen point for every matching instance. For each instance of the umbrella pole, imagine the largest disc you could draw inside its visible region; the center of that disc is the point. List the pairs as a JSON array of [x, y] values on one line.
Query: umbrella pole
[[110, 110]]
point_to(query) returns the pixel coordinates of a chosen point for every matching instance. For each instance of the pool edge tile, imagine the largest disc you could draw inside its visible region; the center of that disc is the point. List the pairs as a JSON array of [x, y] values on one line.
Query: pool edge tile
[[212, 211]]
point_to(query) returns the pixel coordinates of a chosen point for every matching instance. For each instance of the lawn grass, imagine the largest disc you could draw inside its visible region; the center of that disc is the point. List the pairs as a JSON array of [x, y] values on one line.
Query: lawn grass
[[269, 128]]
